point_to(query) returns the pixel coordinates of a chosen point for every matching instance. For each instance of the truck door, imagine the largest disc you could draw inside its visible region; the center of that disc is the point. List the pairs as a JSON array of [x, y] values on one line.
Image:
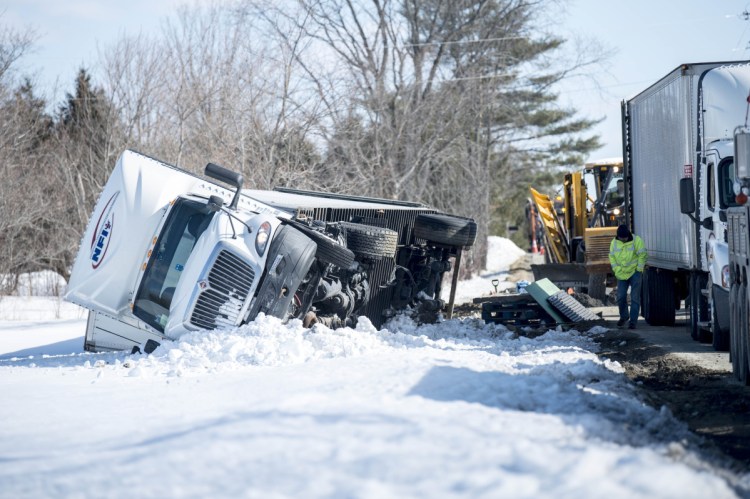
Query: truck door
[[709, 206]]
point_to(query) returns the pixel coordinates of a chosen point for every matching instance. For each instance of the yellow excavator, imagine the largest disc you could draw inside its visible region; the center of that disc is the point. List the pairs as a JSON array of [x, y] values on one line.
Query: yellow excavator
[[579, 225]]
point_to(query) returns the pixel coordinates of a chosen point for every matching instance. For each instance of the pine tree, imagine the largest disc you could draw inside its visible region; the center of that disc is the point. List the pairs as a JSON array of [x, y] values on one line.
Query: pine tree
[[453, 100]]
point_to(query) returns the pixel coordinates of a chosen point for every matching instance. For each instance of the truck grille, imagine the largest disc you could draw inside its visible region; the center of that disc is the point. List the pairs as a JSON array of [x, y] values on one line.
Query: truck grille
[[229, 283]]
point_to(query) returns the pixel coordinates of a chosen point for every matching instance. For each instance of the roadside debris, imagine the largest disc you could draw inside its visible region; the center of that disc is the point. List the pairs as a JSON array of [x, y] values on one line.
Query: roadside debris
[[541, 303]]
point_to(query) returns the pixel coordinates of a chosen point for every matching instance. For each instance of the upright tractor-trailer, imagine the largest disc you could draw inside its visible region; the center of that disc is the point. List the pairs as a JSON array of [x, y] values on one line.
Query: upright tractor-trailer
[[681, 127]]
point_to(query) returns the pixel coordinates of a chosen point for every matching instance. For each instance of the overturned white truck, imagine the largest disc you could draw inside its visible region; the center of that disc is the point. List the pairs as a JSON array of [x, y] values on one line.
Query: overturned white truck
[[166, 252]]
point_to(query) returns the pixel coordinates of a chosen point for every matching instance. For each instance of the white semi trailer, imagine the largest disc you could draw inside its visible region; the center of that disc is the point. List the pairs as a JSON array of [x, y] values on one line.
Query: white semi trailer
[[681, 127]]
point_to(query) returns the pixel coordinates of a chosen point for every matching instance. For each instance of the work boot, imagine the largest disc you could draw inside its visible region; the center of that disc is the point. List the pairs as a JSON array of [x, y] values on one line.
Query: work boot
[[621, 322], [631, 325]]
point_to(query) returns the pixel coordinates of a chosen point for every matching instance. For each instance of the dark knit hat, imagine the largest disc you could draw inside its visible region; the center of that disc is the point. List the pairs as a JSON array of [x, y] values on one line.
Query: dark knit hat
[[623, 232]]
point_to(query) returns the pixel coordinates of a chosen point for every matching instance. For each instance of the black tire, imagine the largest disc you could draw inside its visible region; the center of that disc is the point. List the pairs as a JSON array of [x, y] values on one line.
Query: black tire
[[645, 300], [445, 229], [659, 295], [742, 340], [370, 241], [745, 330], [329, 251], [597, 286], [720, 338], [698, 308], [733, 328]]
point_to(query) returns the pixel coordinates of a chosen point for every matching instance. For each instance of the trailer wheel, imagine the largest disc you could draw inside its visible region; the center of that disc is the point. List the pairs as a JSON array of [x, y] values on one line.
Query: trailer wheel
[[445, 229], [370, 241], [597, 286], [329, 251], [645, 301], [658, 297]]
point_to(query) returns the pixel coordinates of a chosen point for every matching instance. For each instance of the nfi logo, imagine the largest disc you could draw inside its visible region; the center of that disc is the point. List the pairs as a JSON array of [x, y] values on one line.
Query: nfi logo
[[103, 232]]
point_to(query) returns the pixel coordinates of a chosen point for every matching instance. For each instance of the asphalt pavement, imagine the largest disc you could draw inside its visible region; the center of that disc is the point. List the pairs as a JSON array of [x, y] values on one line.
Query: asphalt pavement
[[675, 340]]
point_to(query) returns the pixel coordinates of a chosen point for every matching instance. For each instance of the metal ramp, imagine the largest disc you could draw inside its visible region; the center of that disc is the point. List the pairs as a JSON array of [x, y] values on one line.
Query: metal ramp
[[571, 308]]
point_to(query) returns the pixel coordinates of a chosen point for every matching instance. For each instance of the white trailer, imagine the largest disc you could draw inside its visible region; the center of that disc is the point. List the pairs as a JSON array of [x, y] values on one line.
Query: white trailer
[[682, 127]]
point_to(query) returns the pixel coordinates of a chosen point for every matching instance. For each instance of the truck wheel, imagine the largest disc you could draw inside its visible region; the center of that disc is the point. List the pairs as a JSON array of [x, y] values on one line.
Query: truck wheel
[[742, 343], [598, 286], [733, 344], [720, 337], [744, 337], [445, 229], [698, 308], [659, 295], [329, 251], [370, 241]]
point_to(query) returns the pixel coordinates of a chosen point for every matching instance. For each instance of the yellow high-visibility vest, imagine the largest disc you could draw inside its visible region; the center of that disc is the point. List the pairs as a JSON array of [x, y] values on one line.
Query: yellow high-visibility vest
[[627, 258]]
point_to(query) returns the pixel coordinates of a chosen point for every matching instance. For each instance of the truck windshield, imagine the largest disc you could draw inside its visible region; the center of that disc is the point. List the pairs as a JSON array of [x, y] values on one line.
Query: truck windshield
[[187, 221]]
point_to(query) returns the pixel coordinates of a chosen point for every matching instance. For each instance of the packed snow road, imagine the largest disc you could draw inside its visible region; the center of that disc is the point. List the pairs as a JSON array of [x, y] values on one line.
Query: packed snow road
[[459, 409]]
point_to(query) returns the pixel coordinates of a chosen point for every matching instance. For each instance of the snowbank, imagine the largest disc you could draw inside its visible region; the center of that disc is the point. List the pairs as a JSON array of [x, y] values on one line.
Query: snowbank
[[457, 409], [501, 254]]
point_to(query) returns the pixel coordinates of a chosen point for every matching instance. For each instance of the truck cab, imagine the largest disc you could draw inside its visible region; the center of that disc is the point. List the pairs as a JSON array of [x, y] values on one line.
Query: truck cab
[[718, 196]]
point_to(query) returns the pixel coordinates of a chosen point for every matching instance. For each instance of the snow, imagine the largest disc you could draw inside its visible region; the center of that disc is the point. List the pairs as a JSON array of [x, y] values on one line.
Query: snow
[[501, 254], [455, 409]]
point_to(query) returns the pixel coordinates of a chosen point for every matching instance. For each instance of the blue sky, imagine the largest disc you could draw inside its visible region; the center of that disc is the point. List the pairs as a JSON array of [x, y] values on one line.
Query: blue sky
[[70, 32], [650, 39]]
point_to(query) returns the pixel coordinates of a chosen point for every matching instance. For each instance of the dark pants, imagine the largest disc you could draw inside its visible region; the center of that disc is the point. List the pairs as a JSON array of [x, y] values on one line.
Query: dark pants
[[634, 283]]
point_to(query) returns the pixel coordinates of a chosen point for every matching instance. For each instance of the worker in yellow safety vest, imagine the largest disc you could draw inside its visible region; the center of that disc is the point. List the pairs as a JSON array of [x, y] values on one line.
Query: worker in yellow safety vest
[[627, 255]]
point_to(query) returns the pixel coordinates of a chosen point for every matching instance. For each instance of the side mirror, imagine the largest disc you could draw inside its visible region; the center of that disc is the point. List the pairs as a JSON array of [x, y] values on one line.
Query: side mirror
[[742, 153], [687, 196], [708, 223], [228, 176], [214, 204]]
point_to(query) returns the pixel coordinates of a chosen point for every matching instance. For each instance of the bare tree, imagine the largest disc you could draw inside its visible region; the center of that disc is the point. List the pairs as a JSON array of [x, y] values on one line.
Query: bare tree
[[434, 100], [444, 102], [214, 94]]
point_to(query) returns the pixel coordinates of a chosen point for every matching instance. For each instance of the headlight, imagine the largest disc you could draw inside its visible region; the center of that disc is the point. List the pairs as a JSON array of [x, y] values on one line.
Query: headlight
[[725, 276], [261, 239], [616, 211]]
